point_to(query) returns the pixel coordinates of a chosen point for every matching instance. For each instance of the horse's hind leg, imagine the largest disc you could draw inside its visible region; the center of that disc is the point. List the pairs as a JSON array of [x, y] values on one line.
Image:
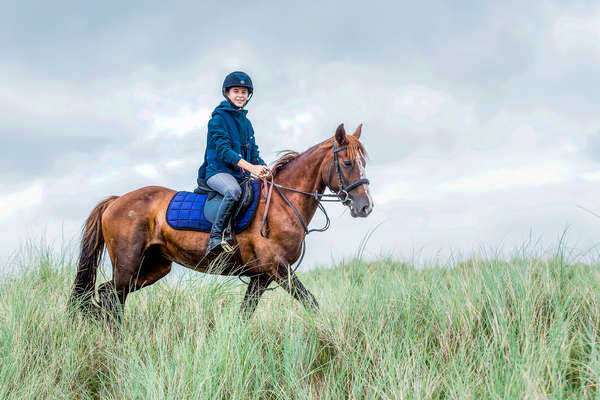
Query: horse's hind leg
[[112, 296], [107, 300], [154, 266]]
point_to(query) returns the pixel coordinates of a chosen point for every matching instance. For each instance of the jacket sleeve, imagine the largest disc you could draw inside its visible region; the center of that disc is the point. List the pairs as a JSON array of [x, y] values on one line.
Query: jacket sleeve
[[254, 150], [220, 136]]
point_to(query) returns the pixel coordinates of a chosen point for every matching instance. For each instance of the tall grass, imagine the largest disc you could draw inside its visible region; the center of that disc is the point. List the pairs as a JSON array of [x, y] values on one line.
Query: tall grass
[[486, 328]]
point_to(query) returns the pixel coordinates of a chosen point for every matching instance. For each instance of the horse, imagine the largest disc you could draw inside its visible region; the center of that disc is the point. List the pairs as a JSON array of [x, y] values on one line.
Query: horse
[[142, 246]]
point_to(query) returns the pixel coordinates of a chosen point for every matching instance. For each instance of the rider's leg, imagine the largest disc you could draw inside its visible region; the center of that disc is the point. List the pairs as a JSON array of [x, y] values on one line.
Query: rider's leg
[[227, 186]]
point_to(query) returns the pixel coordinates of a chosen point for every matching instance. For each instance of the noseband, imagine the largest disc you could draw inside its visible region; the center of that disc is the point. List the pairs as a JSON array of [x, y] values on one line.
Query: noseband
[[341, 179]]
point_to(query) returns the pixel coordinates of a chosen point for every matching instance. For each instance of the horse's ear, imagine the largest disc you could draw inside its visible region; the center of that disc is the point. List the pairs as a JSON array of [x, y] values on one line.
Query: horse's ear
[[356, 133], [340, 135]]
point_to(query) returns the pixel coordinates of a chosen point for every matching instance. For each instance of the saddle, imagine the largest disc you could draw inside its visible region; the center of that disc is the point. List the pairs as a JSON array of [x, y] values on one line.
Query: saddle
[[197, 211]]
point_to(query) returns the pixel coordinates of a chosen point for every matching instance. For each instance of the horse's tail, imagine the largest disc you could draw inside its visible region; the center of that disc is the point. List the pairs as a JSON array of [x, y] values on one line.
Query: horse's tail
[[92, 247]]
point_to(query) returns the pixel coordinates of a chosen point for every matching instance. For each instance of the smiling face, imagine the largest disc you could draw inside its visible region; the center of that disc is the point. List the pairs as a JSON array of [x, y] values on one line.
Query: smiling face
[[238, 96]]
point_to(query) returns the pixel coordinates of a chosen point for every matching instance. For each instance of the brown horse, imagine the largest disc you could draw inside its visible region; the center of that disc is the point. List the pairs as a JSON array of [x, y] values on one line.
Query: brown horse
[[142, 246]]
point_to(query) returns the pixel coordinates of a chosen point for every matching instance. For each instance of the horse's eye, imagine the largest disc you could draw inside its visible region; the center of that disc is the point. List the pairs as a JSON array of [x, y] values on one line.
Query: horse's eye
[[348, 163]]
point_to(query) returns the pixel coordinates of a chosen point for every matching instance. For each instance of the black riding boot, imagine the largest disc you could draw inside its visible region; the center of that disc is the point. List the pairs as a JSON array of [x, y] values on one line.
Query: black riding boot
[[223, 214]]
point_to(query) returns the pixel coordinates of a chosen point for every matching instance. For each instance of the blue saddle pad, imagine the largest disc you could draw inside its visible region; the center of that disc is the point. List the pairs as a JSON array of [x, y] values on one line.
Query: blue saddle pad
[[186, 211]]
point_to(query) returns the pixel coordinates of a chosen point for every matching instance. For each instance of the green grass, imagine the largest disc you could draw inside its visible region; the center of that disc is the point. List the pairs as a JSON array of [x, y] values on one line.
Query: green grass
[[486, 328]]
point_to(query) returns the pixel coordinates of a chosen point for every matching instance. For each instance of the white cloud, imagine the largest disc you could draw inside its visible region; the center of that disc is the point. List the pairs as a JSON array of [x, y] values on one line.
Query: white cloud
[[13, 202], [103, 177], [174, 164], [296, 122], [578, 30], [592, 176], [420, 103], [146, 170], [504, 179], [302, 118], [182, 122]]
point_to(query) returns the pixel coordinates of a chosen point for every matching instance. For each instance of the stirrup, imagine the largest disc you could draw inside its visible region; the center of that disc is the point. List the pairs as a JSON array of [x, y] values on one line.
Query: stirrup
[[227, 248], [223, 247]]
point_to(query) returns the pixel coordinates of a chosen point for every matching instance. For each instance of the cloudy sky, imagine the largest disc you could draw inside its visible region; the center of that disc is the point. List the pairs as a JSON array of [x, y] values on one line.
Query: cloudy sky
[[481, 118]]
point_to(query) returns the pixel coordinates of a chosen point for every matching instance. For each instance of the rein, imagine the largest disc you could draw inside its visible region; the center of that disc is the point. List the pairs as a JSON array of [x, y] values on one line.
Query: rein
[[341, 196], [319, 197]]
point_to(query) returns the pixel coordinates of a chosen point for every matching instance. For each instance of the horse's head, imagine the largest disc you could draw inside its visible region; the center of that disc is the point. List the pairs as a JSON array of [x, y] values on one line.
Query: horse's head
[[344, 172]]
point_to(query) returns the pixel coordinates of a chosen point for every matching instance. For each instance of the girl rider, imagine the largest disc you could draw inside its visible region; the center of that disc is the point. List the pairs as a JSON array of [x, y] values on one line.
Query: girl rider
[[231, 151]]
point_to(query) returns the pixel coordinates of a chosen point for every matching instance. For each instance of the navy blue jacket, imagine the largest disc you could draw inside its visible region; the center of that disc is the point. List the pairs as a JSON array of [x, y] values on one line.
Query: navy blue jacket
[[230, 138]]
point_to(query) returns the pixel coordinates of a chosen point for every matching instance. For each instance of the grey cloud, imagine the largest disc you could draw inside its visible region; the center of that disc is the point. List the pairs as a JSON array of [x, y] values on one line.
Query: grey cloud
[[497, 67], [45, 147]]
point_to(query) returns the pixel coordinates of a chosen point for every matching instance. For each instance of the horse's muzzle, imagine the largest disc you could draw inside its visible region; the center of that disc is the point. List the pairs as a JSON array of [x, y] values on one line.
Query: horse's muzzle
[[360, 209]]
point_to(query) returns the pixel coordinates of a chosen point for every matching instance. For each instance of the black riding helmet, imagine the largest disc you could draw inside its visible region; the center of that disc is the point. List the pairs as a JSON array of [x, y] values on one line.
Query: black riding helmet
[[238, 79]]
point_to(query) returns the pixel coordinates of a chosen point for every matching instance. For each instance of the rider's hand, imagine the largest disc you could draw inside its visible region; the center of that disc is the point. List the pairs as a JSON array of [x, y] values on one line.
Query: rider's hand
[[260, 170]]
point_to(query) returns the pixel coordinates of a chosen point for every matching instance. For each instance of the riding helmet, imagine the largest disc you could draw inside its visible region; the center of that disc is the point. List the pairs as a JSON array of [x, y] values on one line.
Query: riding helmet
[[239, 79]]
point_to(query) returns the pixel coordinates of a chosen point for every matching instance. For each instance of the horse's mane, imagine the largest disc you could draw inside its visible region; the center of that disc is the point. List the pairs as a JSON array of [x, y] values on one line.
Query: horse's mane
[[286, 157], [355, 147]]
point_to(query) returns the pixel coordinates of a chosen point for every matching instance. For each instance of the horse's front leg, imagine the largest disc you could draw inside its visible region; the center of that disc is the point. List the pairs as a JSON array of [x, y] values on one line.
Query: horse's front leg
[[290, 282], [256, 287]]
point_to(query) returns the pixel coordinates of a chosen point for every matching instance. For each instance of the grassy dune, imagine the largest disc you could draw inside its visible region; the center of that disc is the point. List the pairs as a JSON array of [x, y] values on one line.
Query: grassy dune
[[522, 328]]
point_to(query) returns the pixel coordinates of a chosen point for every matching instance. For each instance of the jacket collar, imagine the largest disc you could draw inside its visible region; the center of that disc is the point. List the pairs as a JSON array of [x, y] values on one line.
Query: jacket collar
[[225, 106]]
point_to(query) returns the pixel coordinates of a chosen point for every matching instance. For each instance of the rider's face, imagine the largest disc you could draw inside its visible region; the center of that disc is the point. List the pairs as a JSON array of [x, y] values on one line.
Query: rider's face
[[238, 96]]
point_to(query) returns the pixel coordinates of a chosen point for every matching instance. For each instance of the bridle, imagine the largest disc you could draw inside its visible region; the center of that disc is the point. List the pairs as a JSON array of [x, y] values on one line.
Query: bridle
[[342, 195], [341, 179]]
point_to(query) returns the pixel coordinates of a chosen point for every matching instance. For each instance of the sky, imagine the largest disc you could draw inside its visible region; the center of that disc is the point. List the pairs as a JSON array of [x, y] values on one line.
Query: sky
[[480, 118]]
